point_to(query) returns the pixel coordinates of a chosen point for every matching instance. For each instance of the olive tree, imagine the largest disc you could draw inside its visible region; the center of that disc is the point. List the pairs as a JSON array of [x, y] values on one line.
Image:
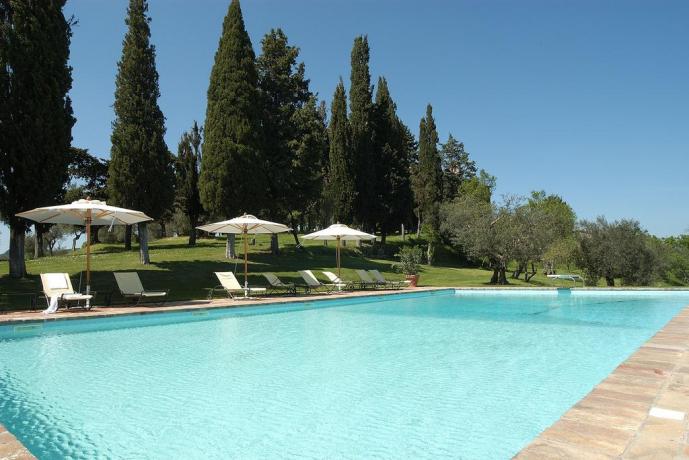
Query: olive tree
[[619, 249], [485, 231]]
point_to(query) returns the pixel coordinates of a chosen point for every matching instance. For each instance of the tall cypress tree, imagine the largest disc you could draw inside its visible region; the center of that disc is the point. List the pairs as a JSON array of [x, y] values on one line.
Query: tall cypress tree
[[310, 147], [457, 167], [340, 183], [284, 91], [428, 180], [393, 190], [231, 146], [361, 106], [188, 161], [35, 112], [141, 174]]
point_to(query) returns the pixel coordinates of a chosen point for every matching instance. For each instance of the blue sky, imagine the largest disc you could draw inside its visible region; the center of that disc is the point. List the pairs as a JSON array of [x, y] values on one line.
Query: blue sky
[[586, 99]]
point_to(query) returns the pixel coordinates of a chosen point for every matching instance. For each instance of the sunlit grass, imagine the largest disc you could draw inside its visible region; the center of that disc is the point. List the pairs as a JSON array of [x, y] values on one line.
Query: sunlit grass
[[186, 271]]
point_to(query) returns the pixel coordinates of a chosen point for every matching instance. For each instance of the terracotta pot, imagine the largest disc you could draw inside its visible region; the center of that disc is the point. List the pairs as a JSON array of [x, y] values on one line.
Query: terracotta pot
[[413, 279]]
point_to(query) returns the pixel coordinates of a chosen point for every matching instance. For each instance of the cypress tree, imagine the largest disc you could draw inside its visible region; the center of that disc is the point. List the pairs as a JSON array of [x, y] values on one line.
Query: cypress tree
[[340, 183], [188, 160], [232, 132], [35, 112], [284, 91], [141, 175], [393, 190], [428, 183], [310, 147], [457, 167], [361, 106]]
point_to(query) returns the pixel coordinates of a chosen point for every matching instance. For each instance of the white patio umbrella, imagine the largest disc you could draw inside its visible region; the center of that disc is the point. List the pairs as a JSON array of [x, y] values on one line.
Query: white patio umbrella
[[339, 232], [245, 224], [85, 212]]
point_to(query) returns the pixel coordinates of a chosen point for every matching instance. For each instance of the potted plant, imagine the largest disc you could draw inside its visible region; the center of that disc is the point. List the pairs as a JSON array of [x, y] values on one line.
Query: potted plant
[[410, 261]]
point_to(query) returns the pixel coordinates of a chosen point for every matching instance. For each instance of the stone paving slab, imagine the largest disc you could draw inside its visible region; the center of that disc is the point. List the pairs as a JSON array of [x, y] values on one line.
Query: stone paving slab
[[11, 449], [640, 411]]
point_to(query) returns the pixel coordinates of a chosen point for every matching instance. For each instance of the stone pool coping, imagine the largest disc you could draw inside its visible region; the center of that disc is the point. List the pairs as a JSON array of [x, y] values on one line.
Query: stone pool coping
[[23, 316], [11, 448], [638, 411]]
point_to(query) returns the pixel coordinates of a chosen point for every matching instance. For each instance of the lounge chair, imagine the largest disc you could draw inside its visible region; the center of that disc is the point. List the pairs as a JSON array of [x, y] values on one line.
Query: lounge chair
[[367, 281], [130, 287], [312, 283], [341, 284], [229, 284], [58, 291], [276, 285], [380, 279], [570, 277]]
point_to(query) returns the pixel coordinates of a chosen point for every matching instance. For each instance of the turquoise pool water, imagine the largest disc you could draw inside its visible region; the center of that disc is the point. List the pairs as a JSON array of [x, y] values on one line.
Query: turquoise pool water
[[472, 375]]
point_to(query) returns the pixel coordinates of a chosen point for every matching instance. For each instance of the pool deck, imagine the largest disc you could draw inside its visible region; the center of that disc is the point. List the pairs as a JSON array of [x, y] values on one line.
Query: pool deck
[[638, 412], [12, 449]]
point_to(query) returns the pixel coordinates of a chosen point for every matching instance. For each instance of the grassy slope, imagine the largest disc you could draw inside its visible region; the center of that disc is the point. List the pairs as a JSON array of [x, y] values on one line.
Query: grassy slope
[[187, 271]]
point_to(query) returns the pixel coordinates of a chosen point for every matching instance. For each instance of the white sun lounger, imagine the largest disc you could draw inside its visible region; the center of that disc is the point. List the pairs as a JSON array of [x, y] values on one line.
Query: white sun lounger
[[312, 283], [229, 284], [338, 282], [58, 291], [569, 277]]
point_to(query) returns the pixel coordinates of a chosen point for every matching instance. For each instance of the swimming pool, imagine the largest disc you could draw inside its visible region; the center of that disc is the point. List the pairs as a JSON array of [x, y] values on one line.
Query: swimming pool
[[465, 374]]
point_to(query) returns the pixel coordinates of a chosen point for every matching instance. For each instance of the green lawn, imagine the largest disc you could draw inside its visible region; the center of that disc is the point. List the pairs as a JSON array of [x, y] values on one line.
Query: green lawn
[[186, 271]]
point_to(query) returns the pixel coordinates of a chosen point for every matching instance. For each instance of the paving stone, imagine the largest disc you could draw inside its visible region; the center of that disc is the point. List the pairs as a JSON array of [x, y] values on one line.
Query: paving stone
[[545, 450]]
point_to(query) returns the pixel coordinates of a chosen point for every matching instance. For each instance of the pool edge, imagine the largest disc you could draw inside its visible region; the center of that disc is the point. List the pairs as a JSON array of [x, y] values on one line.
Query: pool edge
[[28, 317], [11, 447], [614, 419]]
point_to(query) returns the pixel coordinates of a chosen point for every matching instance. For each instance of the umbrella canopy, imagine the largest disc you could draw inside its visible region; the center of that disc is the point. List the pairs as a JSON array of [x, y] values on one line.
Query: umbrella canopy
[[245, 224], [78, 212], [339, 232], [85, 212]]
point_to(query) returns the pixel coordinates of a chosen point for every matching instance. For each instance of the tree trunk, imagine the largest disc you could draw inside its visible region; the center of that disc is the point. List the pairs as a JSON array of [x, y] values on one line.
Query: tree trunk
[[502, 278], [229, 247], [274, 244], [17, 263], [192, 236], [494, 278], [128, 238], [518, 272], [94, 234], [38, 242], [418, 226], [295, 234], [499, 274], [430, 253], [143, 243], [402, 231], [163, 230], [610, 281], [383, 237]]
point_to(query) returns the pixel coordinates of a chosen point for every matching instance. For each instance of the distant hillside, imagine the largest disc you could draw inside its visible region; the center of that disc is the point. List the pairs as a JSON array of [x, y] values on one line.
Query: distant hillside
[[5, 255]]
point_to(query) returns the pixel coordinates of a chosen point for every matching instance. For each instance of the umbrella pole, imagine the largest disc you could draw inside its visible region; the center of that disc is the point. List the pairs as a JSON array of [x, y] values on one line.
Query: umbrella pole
[[88, 251], [246, 261], [338, 257]]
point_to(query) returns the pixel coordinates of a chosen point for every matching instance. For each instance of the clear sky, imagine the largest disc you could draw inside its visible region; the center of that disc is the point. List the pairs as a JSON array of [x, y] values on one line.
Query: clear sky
[[585, 99]]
